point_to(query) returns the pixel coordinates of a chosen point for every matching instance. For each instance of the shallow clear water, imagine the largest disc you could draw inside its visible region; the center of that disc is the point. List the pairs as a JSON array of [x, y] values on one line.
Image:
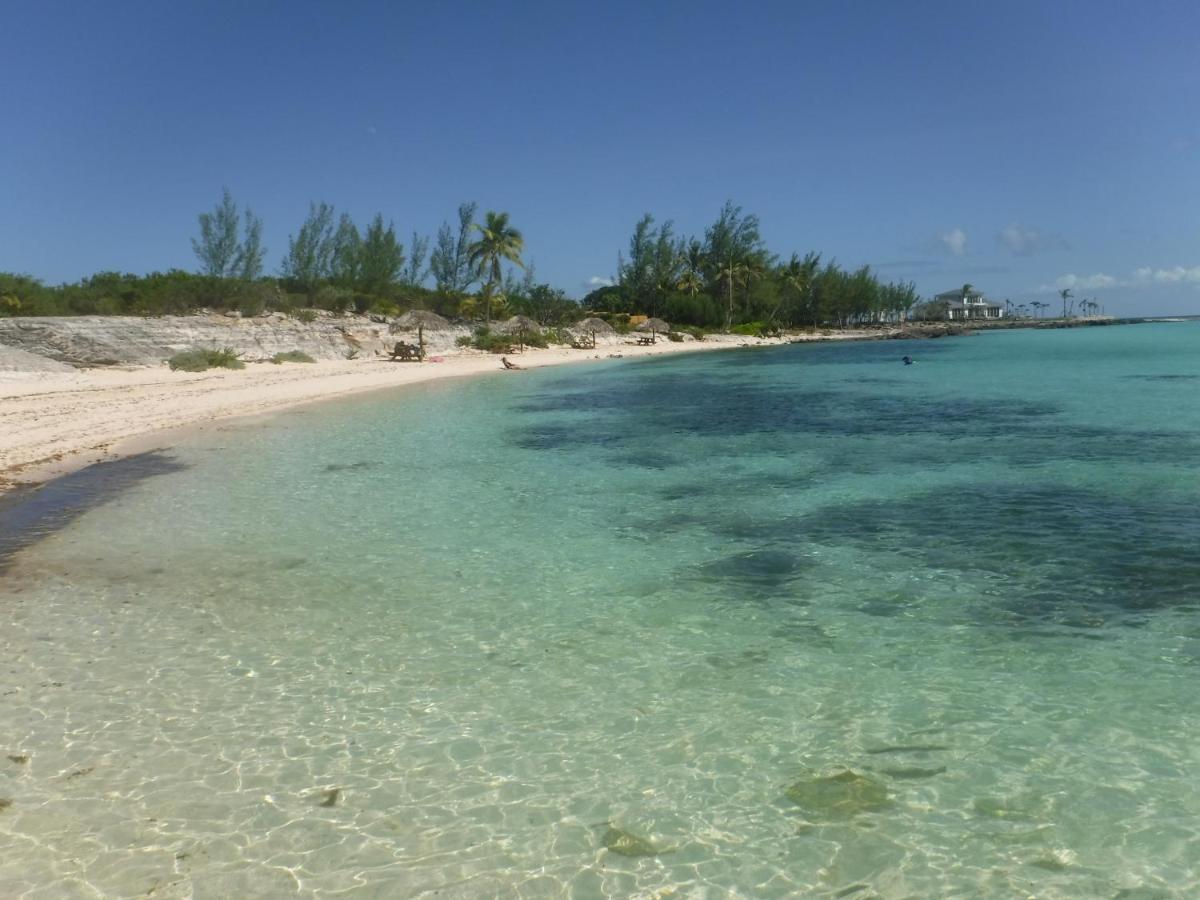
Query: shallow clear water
[[456, 639]]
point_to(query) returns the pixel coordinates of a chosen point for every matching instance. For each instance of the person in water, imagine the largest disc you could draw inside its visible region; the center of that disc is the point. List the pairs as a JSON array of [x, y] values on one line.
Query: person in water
[[908, 360]]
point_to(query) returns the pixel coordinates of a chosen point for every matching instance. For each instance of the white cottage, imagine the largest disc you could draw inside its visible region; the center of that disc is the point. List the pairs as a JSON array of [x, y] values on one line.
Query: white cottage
[[972, 305]]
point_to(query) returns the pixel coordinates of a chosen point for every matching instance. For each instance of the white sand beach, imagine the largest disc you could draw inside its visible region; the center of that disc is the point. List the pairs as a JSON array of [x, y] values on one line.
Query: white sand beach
[[55, 422]]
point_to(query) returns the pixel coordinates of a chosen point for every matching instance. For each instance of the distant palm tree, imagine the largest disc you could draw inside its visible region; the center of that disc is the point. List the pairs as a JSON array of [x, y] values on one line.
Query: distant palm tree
[[798, 274], [692, 259], [734, 272], [691, 281], [497, 240], [1065, 293]]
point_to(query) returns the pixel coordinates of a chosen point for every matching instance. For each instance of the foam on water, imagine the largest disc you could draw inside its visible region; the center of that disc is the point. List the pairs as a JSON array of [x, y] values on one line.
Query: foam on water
[[621, 630]]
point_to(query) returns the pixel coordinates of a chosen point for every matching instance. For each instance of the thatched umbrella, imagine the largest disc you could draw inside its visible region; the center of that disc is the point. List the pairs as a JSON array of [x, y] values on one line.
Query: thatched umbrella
[[594, 326], [521, 326], [420, 320], [655, 327]]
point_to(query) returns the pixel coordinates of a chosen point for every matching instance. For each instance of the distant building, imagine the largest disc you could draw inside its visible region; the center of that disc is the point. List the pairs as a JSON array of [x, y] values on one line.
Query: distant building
[[971, 306]]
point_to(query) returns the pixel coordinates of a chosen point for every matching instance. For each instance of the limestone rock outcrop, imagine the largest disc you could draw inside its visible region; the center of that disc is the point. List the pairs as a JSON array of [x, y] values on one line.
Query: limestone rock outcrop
[[86, 341]]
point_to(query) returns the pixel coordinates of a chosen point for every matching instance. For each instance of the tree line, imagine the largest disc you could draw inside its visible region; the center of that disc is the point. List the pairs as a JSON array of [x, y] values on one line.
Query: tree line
[[727, 278], [331, 263]]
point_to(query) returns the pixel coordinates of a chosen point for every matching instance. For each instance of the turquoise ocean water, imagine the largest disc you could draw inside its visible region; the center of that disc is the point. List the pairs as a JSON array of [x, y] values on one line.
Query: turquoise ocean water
[[789, 622]]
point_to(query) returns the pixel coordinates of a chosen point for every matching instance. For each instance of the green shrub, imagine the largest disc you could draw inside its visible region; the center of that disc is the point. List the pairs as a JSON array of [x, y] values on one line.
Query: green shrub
[[384, 308], [306, 315], [674, 336], [292, 356], [200, 360], [749, 329], [484, 339], [334, 298]]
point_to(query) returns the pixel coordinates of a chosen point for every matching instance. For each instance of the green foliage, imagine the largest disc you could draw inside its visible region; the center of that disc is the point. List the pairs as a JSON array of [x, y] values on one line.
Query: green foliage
[[543, 303], [296, 356], [497, 241], [450, 262], [201, 360], [334, 299], [310, 253], [307, 316], [749, 329], [486, 339], [381, 258], [220, 252], [414, 270], [383, 308]]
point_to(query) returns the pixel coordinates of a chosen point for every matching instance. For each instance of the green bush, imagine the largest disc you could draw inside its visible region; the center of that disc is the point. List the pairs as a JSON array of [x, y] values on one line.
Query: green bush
[[484, 339], [200, 360], [292, 356], [749, 329], [674, 336], [306, 315]]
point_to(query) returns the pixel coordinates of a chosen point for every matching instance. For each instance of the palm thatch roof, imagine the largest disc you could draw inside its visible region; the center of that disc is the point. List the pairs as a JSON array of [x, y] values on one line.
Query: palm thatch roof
[[599, 326], [658, 326], [420, 318], [517, 324]]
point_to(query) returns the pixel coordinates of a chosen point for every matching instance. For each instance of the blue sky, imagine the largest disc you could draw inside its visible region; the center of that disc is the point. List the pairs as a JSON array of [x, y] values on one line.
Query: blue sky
[[1016, 146]]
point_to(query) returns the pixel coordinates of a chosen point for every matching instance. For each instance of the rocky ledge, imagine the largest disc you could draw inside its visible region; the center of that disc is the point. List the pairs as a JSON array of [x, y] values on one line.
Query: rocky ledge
[[87, 341]]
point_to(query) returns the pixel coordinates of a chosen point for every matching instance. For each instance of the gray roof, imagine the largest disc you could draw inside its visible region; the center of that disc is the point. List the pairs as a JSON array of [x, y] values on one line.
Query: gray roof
[[958, 304], [957, 295]]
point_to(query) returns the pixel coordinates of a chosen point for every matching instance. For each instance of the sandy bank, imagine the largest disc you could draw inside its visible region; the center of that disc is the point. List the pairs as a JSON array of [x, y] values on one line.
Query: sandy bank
[[53, 422]]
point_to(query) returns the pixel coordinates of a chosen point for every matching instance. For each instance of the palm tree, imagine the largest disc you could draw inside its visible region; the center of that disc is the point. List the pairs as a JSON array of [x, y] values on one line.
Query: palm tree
[[733, 271], [497, 240], [1065, 293], [799, 274], [691, 281]]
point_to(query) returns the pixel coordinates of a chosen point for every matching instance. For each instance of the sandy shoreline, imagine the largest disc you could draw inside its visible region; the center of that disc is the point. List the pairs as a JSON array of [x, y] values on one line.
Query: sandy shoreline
[[52, 423]]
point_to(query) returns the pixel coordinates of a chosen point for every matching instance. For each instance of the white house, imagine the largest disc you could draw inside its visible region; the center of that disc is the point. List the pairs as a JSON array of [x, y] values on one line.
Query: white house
[[972, 305]]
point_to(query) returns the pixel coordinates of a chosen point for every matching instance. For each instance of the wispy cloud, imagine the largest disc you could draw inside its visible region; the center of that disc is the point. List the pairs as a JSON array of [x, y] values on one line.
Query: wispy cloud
[[599, 281], [954, 241], [1023, 240], [1177, 275], [1073, 282], [1144, 277]]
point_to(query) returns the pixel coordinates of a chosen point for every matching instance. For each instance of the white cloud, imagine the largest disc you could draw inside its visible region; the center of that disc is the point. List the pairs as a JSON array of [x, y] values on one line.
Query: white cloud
[[597, 281], [1022, 240], [1176, 275], [1096, 282], [955, 241]]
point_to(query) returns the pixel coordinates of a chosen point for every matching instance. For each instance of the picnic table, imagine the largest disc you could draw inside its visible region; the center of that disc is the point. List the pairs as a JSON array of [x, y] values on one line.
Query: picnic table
[[646, 340], [405, 352]]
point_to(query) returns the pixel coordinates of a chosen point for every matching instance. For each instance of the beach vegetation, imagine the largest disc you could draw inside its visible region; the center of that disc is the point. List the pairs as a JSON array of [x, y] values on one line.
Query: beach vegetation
[[497, 241], [723, 278], [450, 261], [221, 253], [200, 360], [296, 356], [494, 342]]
